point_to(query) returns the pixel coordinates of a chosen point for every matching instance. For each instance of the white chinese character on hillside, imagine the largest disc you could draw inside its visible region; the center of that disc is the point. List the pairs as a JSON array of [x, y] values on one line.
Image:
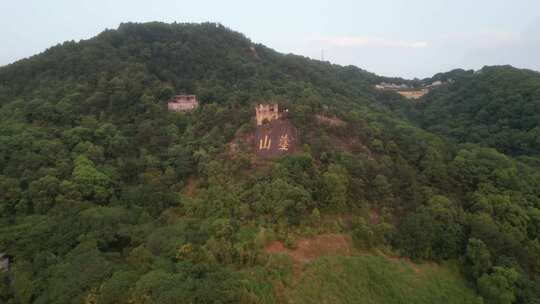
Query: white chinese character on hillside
[[284, 142], [265, 144]]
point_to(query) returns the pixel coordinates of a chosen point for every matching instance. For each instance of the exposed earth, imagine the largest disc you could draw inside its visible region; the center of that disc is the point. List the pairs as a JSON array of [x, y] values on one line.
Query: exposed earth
[[309, 249], [275, 138]]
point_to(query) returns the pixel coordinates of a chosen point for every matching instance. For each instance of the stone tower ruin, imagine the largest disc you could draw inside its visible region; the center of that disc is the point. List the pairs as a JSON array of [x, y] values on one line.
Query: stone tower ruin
[[266, 113]]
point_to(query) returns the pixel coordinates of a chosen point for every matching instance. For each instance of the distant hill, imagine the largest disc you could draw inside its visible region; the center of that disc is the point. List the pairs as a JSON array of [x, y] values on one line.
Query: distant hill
[[496, 106]]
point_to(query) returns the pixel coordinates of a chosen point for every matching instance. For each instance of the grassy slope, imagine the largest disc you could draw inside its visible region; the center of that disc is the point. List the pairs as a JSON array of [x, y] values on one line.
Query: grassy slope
[[375, 279]]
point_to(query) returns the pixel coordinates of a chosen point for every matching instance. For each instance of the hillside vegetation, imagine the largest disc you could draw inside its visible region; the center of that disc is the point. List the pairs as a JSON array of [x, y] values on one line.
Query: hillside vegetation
[[107, 197], [373, 279], [496, 106]]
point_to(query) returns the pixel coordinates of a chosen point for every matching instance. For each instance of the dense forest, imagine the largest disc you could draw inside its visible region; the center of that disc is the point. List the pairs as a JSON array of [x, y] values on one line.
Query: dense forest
[[107, 197], [496, 106]]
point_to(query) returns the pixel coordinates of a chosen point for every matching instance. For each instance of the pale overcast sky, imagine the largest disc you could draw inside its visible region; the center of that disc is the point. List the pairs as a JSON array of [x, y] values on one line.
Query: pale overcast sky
[[413, 38]]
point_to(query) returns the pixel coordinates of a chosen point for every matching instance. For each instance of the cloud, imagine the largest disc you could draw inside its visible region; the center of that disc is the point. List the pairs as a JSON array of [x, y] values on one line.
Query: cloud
[[372, 42]]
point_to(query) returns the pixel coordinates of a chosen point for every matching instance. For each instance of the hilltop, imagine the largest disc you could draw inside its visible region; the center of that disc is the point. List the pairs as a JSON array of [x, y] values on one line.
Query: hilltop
[[106, 196]]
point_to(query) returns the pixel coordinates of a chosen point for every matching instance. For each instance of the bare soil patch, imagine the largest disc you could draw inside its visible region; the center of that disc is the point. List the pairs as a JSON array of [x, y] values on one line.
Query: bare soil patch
[[189, 189], [308, 249], [374, 217], [275, 138], [254, 53]]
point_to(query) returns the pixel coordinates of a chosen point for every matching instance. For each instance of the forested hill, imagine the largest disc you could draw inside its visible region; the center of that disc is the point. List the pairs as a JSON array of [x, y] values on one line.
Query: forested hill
[[108, 197], [496, 106], [207, 59]]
